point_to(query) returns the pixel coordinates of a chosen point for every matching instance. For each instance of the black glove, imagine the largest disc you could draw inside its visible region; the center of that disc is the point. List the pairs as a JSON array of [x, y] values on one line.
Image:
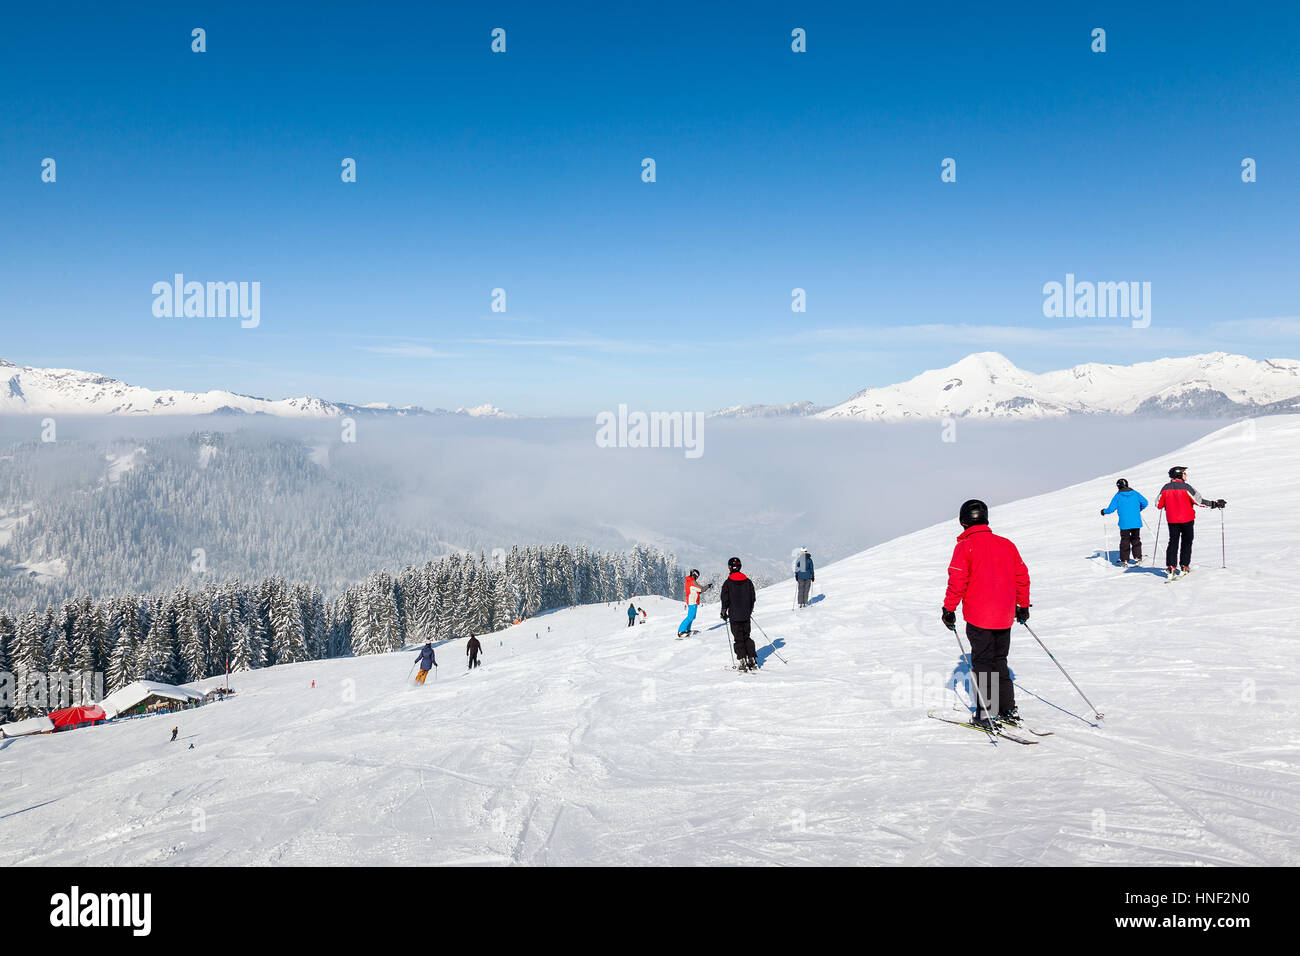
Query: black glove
[[1022, 614], [950, 619], [1103, 512], [1221, 503], [724, 615]]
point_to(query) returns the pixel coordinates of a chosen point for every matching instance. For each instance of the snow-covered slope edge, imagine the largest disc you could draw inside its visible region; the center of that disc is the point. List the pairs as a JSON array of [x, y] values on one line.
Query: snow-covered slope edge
[[584, 741]]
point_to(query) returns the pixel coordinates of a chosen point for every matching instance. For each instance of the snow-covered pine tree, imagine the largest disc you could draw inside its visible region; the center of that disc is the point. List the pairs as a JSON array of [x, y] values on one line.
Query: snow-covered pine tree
[[288, 634], [159, 642], [482, 604], [8, 630], [504, 602], [31, 664], [191, 653]]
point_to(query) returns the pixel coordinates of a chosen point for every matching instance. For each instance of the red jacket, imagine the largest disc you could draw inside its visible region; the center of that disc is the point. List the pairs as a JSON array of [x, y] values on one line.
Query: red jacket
[[1177, 498], [987, 578]]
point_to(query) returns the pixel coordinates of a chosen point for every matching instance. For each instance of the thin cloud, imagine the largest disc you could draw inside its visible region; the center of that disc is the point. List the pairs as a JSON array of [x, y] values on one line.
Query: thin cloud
[[407, 351]]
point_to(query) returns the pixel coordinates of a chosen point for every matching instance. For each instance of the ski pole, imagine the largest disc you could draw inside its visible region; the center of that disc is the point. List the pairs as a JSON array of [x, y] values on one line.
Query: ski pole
[[730, 652], [769, 640], [1105, 540], [1156, 549], [975, 682], [1223, 540], [1063, 671], [410, 672]]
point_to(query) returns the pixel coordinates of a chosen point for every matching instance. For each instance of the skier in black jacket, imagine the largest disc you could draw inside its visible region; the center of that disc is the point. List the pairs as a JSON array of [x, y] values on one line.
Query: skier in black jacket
[[738, 600], [472, 648]]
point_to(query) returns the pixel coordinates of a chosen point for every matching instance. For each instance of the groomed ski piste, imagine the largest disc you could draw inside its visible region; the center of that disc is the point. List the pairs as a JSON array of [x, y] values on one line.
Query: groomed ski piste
[[594, 743]]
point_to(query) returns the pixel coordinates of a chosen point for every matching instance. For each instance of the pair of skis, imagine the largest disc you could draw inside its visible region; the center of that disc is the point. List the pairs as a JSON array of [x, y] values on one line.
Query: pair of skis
[[999, 729]]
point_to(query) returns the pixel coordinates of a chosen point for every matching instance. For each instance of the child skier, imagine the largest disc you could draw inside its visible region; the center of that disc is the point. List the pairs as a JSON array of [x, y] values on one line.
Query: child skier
[[987, 577], [1130, 505], [693, 592], [738, 600], [1178, 500], [427, 662]]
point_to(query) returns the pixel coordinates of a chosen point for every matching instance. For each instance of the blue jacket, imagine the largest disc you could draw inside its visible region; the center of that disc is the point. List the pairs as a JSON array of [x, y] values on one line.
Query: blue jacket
[[427, 659], [631, 611], [803, 568], [1130, 505]]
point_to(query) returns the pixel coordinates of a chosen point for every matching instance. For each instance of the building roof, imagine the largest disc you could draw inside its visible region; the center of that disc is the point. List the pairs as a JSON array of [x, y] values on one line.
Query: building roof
[[134, 694], [33, 725]]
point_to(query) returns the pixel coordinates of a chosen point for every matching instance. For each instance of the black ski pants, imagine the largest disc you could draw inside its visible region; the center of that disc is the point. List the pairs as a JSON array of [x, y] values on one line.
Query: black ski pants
[[742, 642], [1130, 542], [988, 660], [1180, 544]]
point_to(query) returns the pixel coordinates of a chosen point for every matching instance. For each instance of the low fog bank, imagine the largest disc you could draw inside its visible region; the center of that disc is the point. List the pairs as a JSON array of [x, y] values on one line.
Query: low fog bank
[[760, 488]]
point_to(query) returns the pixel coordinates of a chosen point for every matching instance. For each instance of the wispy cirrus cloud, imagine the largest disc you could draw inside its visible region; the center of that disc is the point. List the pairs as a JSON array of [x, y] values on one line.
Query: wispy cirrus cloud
[[1285, 327], [995, 336], [408, 351]]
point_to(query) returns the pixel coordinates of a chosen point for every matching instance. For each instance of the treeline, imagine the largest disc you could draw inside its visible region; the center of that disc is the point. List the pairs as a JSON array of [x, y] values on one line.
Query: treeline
[[189, 634]]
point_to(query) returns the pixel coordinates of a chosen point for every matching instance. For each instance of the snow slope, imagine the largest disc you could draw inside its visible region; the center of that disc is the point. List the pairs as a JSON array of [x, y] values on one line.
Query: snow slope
[[988, 385], [593, 744]]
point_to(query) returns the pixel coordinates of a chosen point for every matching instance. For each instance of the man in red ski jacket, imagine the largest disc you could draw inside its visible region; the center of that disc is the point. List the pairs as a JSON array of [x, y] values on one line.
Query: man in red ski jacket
[[1178, 500], [987, 577]]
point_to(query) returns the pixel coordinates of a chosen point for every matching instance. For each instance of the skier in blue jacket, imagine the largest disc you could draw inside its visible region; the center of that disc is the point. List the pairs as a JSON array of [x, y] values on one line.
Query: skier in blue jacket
[[427, 662], [1130, 505]]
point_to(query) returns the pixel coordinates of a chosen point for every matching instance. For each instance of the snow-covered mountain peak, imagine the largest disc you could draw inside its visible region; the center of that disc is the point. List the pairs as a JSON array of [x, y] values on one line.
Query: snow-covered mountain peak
[[49, 391]]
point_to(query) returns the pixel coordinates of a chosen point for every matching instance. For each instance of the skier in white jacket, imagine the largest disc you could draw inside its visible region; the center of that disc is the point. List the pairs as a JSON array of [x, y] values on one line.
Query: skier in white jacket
[[693, 592]]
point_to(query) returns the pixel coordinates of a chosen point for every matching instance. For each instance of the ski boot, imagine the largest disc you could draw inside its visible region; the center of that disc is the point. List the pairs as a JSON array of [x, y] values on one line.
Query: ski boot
[[983, 723], [1184, 571], [1010, 716], [1171, 574]]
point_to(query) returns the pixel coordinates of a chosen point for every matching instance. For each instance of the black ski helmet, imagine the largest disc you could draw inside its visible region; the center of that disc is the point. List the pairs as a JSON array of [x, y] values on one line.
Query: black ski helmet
[[973, 512], [733, 564], [694, 573], [1122, 484], [1177, 471]]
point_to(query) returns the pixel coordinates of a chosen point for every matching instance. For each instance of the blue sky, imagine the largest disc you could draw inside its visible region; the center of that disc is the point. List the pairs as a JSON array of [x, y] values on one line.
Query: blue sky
[[522, 171]]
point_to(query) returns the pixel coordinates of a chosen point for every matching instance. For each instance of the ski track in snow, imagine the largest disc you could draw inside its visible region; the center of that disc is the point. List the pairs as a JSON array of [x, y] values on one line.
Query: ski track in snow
[[599, 744]]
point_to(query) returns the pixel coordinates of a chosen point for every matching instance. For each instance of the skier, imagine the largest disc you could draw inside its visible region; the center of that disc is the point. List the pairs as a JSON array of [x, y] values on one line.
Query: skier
[[803, 573], [472, 648], [987, 577], [693, 592], [427, 662], [175, 731], [631, 614], [1130, 505], [641, 611], [738, 600], [1178, 500]]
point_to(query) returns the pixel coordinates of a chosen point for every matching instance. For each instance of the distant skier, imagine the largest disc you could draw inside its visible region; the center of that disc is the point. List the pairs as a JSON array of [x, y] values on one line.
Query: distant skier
[[803, 573], [427, 662], [1178, 500], [472, 648], [987, 577], [693, 592], [175, 731], [631, 615], [1130, 505], [738, 600]]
